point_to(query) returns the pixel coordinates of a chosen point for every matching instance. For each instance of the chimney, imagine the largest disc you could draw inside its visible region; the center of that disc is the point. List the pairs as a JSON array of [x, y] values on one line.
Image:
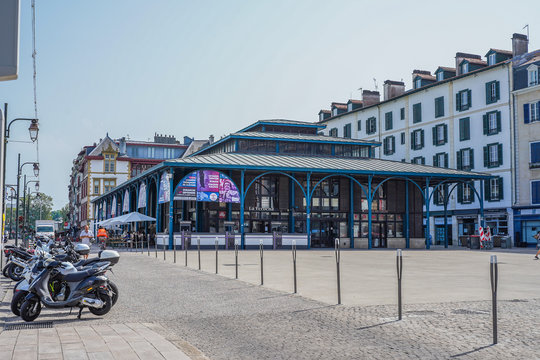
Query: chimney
[[393, 89], [370, 97], [460, 56], [520, 44], [211, 139]]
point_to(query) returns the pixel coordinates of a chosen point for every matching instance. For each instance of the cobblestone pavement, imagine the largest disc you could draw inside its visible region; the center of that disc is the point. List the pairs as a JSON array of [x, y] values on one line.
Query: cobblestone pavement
[[229, 319]]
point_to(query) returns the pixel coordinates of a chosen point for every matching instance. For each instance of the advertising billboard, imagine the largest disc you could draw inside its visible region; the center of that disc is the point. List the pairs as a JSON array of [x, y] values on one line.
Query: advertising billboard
[[207, 185]]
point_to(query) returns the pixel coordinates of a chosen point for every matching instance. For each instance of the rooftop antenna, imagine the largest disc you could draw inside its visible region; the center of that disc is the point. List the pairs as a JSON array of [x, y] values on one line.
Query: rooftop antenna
[[360, 89], [376, 87], [527, 26]]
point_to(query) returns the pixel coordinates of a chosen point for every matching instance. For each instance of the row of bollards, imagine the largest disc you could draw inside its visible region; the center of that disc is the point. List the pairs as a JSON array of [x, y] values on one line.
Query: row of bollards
[[337, 252]]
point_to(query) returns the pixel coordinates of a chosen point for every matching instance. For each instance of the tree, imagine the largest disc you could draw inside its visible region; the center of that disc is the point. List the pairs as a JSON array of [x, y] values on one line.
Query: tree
[[61, 214]]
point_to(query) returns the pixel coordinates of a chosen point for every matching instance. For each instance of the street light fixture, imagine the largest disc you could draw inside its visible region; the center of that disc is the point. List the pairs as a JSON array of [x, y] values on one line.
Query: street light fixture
[[19, 171], [33, 129], [37, 186], [36, 169]]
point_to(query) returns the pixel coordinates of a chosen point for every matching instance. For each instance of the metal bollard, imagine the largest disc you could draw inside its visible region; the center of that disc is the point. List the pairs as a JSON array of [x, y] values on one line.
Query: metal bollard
[[164, 248], [174, 249], [185, 249], [217, 247], [199, 250], [148, 243], [399, 267], [136, 248], [236, 257], [261, 252], [155, 243], [338, 259], [494, 274], [294, 262]]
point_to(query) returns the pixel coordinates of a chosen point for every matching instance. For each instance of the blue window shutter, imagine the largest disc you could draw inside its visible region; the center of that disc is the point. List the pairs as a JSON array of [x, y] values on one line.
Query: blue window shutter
[[486, 156], [500, 153], [487, 190], [497, 91], [460, 193], [412, 140], [500, 185], [445, 133], [435, 162], [526, 113], [393, 144], [434, 132], [488, 93], [469, 95], [458, 102], [445, 160], [485, 123], [535, 192], [499, 121], [422, 138], [471, 158], [458, 160]]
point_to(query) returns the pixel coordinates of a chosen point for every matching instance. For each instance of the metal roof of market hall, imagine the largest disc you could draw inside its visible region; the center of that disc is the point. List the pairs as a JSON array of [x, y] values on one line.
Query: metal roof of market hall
[[314, 164]]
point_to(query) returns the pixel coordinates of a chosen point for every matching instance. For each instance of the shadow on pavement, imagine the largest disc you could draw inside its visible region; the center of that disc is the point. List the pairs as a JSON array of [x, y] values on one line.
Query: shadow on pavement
[[472, 351]]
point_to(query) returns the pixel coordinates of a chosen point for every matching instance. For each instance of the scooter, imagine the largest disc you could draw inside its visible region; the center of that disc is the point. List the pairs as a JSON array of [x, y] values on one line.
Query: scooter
[[87, 288]]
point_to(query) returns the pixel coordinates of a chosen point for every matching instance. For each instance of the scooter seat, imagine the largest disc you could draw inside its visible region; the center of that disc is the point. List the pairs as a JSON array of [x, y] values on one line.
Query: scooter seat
[[79, 275], [86, 262], [61, 257]]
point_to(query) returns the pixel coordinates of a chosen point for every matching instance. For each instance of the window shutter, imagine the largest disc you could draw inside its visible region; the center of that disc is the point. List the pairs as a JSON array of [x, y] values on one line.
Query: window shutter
[[458, 102], [499, 121], [488, 93], [412, 140], [497, 93], [468, 129], [500, 185], [469, 96], [445, 160], [458, 160], [445, 133], [434, 131], [486, 156], [435, 162], [471, 158], [461, 129], [500, 153], [526, 113], [423, 160], [393, 144], [422, 138], [487, 192], [460, 193], [384, 145], [485, 123]]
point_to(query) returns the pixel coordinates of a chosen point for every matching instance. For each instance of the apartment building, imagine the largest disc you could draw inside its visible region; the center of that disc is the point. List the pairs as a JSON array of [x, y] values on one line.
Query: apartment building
[[458, 117]]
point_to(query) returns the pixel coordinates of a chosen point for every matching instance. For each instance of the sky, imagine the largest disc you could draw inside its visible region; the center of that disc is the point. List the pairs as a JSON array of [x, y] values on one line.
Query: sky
[[195, 68]]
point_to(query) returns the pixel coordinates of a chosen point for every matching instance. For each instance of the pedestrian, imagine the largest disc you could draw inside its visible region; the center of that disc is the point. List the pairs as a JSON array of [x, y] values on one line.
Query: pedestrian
[[86, 236], [102, 237], [537, 237]]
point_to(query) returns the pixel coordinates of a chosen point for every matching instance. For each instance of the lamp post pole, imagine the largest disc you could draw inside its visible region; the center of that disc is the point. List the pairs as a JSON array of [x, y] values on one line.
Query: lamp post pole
[[27, 201], [19, 171]]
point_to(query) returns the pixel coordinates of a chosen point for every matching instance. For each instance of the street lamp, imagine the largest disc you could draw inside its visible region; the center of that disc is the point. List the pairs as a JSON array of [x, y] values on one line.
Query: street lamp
[[27, 207], [19, 171], [36, 169], [33, 129]]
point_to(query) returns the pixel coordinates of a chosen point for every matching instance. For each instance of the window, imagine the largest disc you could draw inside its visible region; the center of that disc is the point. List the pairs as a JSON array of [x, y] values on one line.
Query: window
[[440, 195], [108, 185], [347, 131], [492, 92], [535, 192], [491, 59], [531, 112], [465, 159], [465, 193], [440, 134], [464, 68], [535, 155], [333, 132], [418, 83], [440, 160], [96, 186], [402, 113], [109, 163], [151, 152], [493, 189], [371, 126], [417, 113], [492, 123], [532, 75], [389, 144], [402, 138], [169, 153], [493, 155], [440, 76], [439, 106], [359, 124], [388, 121], [463, 100], [417, 139], [464, 129], [266, 193], [420, 160], [326, 195]]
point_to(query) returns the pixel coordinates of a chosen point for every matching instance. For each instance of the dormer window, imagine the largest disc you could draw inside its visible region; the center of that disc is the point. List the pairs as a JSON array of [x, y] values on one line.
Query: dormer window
[[532, 75], [492, 59], [440, 76], [418, 83], [464, 68], [334, 112]]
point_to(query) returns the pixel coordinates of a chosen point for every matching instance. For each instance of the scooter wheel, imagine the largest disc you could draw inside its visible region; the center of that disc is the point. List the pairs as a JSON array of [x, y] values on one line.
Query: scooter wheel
[[30, 309], [115, 292], [107, 305], [5, 271], [17, 300], [15, 272]]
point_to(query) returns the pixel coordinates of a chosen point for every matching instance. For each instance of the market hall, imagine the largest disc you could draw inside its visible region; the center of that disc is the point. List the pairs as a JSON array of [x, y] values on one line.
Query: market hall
[[281, 181]]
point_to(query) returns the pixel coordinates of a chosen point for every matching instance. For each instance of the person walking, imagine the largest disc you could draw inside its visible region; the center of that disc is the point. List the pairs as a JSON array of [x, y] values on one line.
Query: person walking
[[86, 235], [537, 237], [102, 237]]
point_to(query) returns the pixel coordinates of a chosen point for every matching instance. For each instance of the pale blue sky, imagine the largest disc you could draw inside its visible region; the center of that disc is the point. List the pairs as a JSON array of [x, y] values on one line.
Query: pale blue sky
[[197, 68]]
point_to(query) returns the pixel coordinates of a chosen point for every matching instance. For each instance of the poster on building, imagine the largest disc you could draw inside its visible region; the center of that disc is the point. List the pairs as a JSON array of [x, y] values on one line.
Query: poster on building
[[142, 196], [125, 206], [113, 207], [164, 189], [207, 185]]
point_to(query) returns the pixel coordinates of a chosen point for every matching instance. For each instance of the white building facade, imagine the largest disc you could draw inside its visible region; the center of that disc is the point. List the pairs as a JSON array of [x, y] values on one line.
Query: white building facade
[[458, 118]]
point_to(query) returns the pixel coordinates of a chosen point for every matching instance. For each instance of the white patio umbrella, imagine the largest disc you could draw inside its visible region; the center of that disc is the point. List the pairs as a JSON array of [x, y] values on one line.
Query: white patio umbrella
[[126, 219]]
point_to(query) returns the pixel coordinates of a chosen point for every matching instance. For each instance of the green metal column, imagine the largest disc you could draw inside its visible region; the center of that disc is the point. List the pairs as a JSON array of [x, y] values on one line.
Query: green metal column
[[351, 213], [369, 200]]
